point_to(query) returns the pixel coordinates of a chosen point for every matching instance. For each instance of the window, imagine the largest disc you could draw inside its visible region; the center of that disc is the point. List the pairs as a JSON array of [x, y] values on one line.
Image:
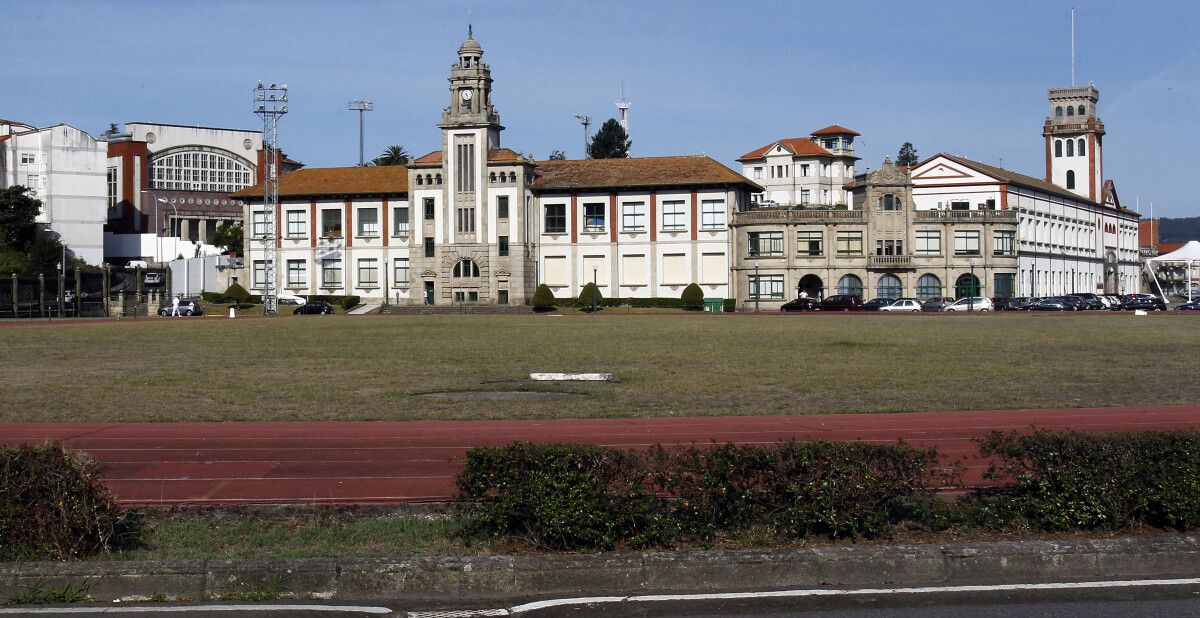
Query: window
[[765, 243], [428, 247], [673, 215], [331, 223], [1004, 284], [766, 287], [198, 170], [966, 242], [503, 245], [1081, 110], [889, 247], [850, 285], [960, 205], [368, 272], [501, 297], [1082, 148], [1058, 111], [260, 273], [400, 271], [1070, 179], [368, 222], [810, 243], [929, 242], [28, 158], [1004, 242], [712, 214], [805, 197], [675, 269], [400, 221], [849, 243], [556, 219], [1058, 148], [929, 286], [804, 169], [464, 167], [633, 216], [429, 209], [889, 202], [112, 188], [889, 286], [296, 273], [1070, 111], [593, 217], [331, 273], [465, 218], [758, 173], [502, 207], [633, 269], [1070, 148], [260, 224]]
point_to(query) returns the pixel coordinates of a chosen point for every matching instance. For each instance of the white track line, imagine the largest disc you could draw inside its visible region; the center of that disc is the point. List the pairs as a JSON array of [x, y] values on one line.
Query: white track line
[[375, 611]]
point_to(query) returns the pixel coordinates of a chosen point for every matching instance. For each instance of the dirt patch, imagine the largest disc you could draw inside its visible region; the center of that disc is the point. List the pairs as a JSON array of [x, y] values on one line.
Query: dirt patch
[[500, 395]]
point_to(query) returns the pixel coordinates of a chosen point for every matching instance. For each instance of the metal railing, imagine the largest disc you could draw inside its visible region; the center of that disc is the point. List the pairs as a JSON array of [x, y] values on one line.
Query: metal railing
[[974, 216], [771, 215]]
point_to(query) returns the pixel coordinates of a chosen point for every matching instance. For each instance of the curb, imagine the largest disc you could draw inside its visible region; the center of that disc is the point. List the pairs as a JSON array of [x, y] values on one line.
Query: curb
[[523, 577]]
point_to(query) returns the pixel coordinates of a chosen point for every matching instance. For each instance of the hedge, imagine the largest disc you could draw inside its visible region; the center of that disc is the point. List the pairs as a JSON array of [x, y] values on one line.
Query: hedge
[[54, 506], [653, 302]]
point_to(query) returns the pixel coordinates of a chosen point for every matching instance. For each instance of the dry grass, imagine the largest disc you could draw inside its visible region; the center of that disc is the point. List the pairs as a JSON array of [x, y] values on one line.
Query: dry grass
[[373, 367]]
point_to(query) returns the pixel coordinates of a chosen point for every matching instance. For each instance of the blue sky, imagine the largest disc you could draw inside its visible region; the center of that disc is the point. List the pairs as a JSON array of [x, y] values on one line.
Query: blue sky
[[720, 78]]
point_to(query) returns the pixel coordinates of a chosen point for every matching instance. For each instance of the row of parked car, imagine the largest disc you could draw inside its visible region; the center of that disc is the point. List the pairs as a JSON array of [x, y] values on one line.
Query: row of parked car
[[191, 307], [1070, 302]]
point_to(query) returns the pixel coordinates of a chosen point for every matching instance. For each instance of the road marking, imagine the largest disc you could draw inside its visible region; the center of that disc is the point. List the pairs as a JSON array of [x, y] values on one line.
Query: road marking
[[143, 609], [721, 596]]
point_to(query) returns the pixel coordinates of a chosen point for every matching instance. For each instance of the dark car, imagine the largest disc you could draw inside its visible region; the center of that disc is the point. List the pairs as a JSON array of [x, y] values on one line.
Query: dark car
[[1145, 304], [802, 304], [314, 307], [1088, 301], [842, 302], [1049, 304], [877, 303], [936, 304], [1192, 306], [1012, 304], [187, 307]]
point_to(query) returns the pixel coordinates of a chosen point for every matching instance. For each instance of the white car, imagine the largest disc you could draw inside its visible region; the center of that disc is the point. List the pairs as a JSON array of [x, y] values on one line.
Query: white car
[[904, 304], [132, 264], [970, 303], [291, 299]]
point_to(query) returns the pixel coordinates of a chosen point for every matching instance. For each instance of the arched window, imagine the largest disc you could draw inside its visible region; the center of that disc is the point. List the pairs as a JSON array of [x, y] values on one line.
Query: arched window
[[929, 286], [512, 176], [1058, 148], [889, 287], [1058, 111], [200, 170], [1070, 111], [492, 177], [1082, 149], [967, 285], [1070, 179], [1081, 108], [1070, 148], [428, 179], [420, 179], [889, 202], [438, 179], [850, 285], [466, 268]]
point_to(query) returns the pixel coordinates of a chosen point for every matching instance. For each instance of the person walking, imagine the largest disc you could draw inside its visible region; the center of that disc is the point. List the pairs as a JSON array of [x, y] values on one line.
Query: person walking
[[175, 306]]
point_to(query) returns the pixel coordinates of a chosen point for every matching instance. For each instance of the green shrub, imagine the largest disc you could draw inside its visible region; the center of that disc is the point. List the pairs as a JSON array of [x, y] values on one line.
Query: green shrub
[[1073, 480], [589, 296], [215, 298], [543, 298], [655, 302], [238, 295], [729, 305], [692, 298], [53, 506]]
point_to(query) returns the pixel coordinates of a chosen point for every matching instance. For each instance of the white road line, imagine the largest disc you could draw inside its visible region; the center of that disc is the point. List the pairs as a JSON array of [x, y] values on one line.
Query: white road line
[[375, 611], [651, 598]]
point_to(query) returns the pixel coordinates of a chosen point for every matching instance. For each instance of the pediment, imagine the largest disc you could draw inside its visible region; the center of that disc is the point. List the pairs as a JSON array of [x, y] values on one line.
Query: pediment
[[428, 273]]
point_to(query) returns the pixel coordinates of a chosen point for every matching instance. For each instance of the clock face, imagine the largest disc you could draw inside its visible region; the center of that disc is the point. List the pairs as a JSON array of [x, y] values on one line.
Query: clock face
[[466, 95]]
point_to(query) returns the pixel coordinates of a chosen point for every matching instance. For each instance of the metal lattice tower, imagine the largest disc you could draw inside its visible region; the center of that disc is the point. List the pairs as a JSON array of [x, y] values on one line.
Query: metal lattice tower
[[270, 102], [623, 106]]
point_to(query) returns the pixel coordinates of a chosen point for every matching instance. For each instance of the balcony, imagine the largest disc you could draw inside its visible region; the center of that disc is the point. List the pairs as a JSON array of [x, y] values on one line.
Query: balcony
[[894, 262], [966, 216], [789, 215]]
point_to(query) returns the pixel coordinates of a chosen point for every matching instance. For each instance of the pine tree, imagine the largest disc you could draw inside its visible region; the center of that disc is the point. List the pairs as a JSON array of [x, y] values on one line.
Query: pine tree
[[610, 142], [907, 156]]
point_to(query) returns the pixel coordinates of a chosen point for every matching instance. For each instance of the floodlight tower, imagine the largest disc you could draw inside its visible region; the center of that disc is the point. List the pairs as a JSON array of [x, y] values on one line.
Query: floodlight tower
[[585, 121], [361, 107], [270, 102], [623, 106]]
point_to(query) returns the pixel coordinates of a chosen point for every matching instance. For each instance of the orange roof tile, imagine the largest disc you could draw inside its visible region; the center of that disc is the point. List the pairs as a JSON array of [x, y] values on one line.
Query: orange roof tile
[[433, 158], [835, 129], [635, 172], [799, 146], [503, 155], [336, 181]]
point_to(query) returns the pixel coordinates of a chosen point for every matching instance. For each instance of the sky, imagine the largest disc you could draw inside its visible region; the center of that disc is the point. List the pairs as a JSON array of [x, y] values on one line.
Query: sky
[[718, 78]]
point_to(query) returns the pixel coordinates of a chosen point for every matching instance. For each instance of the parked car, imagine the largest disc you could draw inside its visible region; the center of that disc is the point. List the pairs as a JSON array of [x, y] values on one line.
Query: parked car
[[1017, 303], [291, 299], [316, 307], [152, 278], [1088, 301], [132, 264], [841, 302], [1049, 304], [1192, 306], [876, 304], [970, 303], [1145, 304], [936, 304], [187, 307], [903, 304], [802, 304]]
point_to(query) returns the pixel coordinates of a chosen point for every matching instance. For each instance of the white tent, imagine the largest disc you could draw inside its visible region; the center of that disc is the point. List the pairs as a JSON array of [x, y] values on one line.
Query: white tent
[[1188, 255]]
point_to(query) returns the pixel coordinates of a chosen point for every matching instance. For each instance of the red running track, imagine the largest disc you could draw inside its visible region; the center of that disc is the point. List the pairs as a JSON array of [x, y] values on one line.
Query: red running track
[[382, 462]]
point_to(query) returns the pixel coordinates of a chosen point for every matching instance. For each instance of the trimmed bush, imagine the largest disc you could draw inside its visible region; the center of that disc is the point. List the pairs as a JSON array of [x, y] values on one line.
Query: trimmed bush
[[238, 295], [53, 506], [692, 298], [655, 302], [729, 305], [543, 298], [589, 295], [215, 298]]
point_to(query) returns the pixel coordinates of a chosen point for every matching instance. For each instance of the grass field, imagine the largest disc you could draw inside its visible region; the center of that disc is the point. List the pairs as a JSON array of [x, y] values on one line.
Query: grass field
[[376, 367]]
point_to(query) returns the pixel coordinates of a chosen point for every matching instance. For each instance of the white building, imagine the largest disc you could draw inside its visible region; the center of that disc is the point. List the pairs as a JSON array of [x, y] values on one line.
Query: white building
[[64, 167], [804, 171]]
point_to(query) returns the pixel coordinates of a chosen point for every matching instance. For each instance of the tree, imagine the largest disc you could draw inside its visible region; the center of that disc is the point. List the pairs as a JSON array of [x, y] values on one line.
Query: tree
[[908, 155], [229, 236], [393, 155], [24, 246], [692, 297], [610, 142], [557, 155], [543, 298], [589, 296]]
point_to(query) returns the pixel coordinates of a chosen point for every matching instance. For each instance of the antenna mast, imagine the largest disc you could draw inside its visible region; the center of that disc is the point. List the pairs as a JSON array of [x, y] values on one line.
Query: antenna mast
[[270, 102], [585, 121], [623, 106], [1072, 47]]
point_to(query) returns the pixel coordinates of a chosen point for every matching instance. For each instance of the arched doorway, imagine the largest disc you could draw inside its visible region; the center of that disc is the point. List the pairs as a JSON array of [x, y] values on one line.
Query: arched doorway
[[810, 286], [966, 285]]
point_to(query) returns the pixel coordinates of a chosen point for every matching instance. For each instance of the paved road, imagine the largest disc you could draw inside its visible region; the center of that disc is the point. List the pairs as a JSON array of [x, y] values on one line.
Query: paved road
[[388, 462]]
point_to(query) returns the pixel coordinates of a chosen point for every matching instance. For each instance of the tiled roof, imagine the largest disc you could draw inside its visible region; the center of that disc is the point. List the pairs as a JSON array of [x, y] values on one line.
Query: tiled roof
[[337, 181], [503, 155], [1168, 247], [1016, 178], [433, 158], [799, 146], [835, 129], [635, 172]]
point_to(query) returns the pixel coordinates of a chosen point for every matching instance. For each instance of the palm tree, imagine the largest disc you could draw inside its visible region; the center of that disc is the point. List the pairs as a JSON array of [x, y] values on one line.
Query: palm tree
[[393, 155]]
